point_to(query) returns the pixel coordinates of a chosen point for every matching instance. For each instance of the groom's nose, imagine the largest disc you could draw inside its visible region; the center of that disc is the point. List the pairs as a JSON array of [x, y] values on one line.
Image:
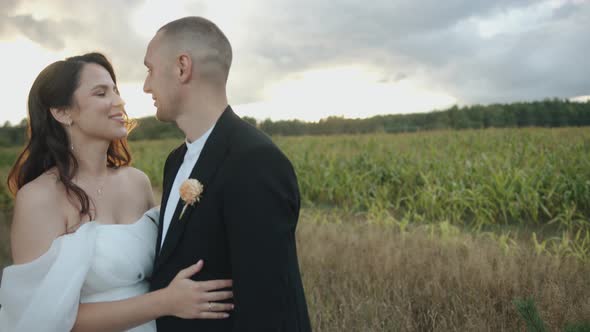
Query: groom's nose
[[146, 86]]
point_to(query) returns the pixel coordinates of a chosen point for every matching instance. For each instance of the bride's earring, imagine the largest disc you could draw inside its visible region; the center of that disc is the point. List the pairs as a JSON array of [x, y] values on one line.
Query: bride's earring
[[69, 125]]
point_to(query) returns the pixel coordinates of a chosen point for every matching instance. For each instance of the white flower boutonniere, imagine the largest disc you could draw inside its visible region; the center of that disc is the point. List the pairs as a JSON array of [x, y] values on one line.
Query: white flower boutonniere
[[190, 193]]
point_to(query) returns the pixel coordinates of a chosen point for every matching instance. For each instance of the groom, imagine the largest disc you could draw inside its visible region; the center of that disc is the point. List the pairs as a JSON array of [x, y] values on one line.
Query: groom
[[243, 225]]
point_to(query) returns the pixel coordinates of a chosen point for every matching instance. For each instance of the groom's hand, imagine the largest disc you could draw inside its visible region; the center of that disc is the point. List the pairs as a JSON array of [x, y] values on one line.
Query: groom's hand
[[190, 299]]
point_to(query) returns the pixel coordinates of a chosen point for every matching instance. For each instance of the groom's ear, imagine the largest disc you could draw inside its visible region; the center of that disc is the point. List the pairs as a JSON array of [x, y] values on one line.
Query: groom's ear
[[185, 67]]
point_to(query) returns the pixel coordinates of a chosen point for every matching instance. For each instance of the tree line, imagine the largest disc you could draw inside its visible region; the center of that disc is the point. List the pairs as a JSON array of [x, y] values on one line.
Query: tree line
[[546, 113]]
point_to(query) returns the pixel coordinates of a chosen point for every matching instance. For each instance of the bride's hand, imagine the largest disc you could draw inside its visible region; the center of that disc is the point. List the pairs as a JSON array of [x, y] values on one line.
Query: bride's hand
[[190, 299]]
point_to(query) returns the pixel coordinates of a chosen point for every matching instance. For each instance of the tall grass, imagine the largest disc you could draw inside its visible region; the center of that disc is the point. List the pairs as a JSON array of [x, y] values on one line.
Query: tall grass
[[360, 275], [363, 276]]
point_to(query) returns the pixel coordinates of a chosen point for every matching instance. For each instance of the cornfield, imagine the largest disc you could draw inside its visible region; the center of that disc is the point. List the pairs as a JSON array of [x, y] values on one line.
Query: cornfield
[[431, 230], [537, 180]]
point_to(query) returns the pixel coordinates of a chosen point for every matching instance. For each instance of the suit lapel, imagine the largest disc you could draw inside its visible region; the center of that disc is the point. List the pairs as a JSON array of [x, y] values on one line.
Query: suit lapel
[[210, 159], [175, 160]]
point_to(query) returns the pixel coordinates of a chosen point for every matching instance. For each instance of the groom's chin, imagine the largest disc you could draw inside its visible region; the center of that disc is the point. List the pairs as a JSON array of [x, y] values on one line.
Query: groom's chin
[[162, 118]]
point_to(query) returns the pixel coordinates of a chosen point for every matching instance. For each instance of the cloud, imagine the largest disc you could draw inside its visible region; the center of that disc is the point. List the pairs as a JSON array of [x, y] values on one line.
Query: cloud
[[7, 5], [544, 60], [43, 32], [479, 51], [76, 27]]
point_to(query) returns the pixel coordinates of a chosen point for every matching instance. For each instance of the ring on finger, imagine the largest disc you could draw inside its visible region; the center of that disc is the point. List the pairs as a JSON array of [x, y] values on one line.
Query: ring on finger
[[210, 305]]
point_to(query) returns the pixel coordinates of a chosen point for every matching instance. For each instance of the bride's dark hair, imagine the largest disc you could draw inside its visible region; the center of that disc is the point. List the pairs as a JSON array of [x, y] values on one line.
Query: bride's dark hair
[[48, 143]]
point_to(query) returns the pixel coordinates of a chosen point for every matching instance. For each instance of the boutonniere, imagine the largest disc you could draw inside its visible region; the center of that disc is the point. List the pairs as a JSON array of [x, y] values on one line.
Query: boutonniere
[[190, 193]]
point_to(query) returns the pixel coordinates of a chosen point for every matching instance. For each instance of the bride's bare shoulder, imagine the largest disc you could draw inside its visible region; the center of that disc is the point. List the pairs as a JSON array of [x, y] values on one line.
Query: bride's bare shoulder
[[37, 219], [133, 177], [136, 181], [45, 189]]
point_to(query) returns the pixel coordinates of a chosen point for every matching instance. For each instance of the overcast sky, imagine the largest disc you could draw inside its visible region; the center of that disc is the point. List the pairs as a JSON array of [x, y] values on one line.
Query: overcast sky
[[309, 59]]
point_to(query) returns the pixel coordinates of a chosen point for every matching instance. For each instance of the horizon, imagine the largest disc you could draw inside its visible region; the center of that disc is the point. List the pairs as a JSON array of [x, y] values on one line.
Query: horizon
[[580, 99]]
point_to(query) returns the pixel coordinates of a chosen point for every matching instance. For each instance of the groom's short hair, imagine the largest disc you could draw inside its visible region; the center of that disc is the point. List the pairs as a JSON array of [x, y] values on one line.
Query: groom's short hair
[[204, 41]]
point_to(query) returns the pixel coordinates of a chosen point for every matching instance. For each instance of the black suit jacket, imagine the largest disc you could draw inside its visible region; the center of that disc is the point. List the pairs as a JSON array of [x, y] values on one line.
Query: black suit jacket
[[243, 228]]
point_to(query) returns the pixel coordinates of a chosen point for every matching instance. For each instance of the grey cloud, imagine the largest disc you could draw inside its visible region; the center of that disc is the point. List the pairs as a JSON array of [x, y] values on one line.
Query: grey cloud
[[42, 31], [393, 35], [318, 29], [432, 38], [547, 61], [6, 7], [89, 26]]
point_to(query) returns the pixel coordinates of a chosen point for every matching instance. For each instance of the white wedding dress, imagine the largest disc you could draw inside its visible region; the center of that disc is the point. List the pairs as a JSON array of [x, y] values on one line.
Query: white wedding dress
[[98, 263]]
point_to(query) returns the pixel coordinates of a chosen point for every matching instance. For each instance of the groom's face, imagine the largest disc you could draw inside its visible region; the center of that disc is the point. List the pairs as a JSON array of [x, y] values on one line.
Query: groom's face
[[160, 82]]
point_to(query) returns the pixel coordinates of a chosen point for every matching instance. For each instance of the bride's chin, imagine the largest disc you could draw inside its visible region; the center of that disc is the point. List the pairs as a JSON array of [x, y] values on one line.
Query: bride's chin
[[120, 134]]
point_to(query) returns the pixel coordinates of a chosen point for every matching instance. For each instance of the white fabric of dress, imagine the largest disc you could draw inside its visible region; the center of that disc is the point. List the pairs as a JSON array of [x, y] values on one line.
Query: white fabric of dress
[[98, 263]]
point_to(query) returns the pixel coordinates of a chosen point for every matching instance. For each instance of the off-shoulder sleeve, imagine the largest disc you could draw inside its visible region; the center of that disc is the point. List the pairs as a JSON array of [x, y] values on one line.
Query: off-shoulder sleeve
[[153, 214], [44, 295]]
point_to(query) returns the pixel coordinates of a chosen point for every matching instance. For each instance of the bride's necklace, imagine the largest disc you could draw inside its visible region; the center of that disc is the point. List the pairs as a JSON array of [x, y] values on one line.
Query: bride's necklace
[[100, 187]]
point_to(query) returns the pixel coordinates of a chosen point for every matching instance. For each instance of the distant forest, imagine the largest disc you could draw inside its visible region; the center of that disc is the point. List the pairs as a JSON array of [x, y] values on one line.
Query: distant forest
[[546, 113]]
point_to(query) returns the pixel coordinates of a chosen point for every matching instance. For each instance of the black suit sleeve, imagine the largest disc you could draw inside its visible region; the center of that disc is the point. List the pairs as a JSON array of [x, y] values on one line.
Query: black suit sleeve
[[261, 207]]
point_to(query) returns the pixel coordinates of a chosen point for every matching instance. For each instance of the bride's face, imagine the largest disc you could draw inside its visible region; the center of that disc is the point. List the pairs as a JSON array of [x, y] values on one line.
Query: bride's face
[[98, 109]]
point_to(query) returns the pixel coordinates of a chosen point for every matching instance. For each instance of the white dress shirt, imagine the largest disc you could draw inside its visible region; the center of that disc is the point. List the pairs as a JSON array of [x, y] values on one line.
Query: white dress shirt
[[190, 160]]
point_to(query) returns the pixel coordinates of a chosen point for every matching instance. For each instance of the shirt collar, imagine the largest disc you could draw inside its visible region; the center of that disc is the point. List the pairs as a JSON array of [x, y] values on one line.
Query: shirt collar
[[194, 148]]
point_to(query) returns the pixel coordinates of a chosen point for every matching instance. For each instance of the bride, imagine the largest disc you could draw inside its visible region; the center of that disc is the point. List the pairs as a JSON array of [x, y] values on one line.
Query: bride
[[82, 242]]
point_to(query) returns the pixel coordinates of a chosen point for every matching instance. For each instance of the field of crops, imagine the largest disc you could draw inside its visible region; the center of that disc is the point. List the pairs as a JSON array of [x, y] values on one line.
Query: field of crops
[[516, 199], [537, 180], [532, 179]]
